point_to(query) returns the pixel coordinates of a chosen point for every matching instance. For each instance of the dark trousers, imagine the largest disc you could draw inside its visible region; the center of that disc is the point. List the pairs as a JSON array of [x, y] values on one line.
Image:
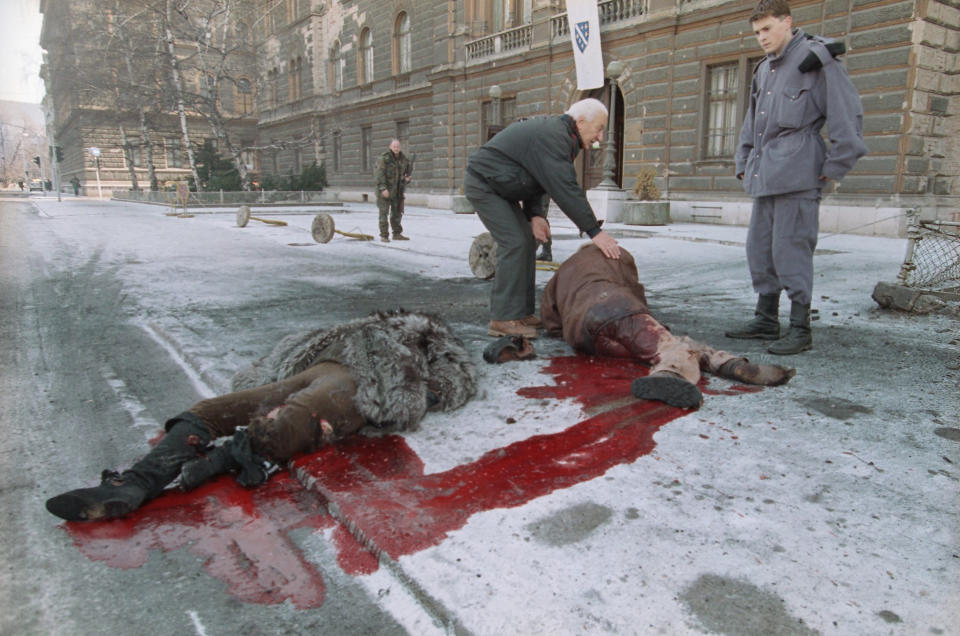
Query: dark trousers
[[780, 244], [296, 415], [514, 284]]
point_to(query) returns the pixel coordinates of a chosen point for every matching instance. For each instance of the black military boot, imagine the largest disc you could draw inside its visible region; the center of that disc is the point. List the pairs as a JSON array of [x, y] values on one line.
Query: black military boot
[[669, 388], [766, 320], [120, 494], [798, 338]]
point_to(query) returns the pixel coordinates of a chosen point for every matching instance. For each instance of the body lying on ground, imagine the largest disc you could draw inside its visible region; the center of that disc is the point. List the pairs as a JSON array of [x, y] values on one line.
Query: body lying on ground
[[387, 370], [599, 307]]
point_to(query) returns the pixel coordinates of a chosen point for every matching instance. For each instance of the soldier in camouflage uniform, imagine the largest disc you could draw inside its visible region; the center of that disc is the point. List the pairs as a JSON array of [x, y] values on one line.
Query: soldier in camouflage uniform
[[393, 174]]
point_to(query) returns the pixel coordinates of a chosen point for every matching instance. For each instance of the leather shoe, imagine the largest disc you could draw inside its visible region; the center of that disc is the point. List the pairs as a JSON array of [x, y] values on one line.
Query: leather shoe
[[532, 320], [400, 237], [511, 328]]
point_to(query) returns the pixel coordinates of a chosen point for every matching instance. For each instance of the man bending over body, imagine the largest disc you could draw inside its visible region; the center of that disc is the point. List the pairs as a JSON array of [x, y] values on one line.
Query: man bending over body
[[599, 307], [313, 389]]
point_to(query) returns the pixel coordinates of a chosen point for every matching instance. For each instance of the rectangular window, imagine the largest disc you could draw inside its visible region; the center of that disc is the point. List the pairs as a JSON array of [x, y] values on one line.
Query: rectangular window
[[337, 151], [722, 129], [174, 156], [136, 153], [495, 115], [403, 133], [366, 149]]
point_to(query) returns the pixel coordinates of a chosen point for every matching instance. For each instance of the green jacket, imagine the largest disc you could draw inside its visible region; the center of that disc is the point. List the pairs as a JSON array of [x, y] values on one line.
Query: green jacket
[[391, 170], [532, 157]]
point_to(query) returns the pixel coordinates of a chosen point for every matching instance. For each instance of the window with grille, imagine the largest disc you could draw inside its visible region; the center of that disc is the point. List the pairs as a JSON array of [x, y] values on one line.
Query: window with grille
[[722, 129]]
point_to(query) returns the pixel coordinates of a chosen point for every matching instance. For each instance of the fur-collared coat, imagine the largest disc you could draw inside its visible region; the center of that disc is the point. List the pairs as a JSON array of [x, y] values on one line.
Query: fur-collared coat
[[404, 364]]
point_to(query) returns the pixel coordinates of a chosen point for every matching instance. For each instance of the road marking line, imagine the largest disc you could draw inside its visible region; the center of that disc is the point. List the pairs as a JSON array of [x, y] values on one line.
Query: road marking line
[[129, 402], [197, 625], [165, 341]]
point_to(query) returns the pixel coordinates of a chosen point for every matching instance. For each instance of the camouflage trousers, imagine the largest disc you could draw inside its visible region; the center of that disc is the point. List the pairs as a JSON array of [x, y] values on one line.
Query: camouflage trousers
[[390, 210]]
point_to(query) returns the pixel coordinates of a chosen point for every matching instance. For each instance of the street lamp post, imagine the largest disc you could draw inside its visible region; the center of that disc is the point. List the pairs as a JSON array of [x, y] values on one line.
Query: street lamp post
[[95, 153], [495, 94], [614, 70]]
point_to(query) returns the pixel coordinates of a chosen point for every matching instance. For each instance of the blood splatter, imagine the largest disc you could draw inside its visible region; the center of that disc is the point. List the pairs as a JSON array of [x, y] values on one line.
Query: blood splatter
[[379, 485]]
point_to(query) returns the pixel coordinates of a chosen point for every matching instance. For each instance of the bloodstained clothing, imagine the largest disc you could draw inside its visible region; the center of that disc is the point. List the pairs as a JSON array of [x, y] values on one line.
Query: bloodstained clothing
[[599, 307]]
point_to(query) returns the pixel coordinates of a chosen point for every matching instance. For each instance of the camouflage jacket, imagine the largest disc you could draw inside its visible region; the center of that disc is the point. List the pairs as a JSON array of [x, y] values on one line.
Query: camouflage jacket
[[390, 172]]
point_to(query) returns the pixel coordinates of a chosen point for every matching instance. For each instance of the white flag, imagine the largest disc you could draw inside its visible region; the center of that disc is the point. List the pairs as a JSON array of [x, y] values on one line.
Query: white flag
[[585, 35]]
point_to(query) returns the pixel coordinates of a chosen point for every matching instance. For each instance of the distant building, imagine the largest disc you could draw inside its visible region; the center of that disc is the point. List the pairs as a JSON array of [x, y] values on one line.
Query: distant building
[[22, 139], [336, 80], [99, 69]]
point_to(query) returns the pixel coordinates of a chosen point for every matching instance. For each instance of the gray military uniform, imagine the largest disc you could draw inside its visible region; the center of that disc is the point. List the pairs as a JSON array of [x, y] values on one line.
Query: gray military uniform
[[782, 158]]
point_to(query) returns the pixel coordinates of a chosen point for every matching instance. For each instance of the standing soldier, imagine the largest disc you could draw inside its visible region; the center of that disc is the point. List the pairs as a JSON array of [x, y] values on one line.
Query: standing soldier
[[393, 174], [784, 164]]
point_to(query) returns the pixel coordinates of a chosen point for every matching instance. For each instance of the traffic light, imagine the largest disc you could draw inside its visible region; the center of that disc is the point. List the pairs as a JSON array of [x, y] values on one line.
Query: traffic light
[[58, 152], [36, 160]]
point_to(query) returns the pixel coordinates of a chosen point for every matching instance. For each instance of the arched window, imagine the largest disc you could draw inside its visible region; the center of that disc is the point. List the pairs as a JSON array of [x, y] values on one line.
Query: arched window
[[336, 59], [401, 39], [366, 56], [273, 97], [296, 79], [244, 100]]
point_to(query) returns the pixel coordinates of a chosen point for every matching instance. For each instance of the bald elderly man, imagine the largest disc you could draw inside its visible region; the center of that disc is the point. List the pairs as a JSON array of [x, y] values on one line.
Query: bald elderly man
[[506, 180]]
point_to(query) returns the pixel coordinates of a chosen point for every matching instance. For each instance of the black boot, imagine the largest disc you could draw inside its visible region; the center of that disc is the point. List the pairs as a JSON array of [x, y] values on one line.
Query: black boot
[[121, 494], [234, 455], [798, 338], [766, 321], [217, 462], [669, 388]]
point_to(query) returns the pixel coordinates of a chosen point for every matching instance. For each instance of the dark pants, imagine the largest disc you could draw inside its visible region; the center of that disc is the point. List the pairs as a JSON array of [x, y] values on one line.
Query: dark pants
[[391, 209], [296, 415], [780, 245], [514, 284]]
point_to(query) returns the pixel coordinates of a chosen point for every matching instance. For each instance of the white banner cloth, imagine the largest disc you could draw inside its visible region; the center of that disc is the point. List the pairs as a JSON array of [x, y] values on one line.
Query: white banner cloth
[[585, 35]]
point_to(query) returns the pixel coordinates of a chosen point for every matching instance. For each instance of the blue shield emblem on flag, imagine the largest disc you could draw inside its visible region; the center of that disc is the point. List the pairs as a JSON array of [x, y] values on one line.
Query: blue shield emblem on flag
[[582, 32]]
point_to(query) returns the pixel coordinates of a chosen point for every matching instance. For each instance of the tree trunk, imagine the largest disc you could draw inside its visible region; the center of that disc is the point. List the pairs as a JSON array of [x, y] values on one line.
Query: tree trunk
[[178, 87], [128, 155]]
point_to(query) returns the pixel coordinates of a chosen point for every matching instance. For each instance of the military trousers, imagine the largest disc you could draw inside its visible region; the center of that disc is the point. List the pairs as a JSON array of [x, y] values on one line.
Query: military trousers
[[391, 213], [781, 240]]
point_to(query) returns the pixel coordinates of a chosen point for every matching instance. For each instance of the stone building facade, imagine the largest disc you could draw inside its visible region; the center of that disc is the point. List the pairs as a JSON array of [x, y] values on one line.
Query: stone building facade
[[682, 93], [336, 80], [89, 117]]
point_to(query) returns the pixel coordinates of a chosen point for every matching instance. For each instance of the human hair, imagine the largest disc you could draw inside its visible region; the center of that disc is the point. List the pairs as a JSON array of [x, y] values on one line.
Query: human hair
[[589, 109], [767, 8]]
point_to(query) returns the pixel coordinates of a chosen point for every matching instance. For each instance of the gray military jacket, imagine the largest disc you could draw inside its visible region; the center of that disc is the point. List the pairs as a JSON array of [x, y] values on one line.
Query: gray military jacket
[[780, 149]]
